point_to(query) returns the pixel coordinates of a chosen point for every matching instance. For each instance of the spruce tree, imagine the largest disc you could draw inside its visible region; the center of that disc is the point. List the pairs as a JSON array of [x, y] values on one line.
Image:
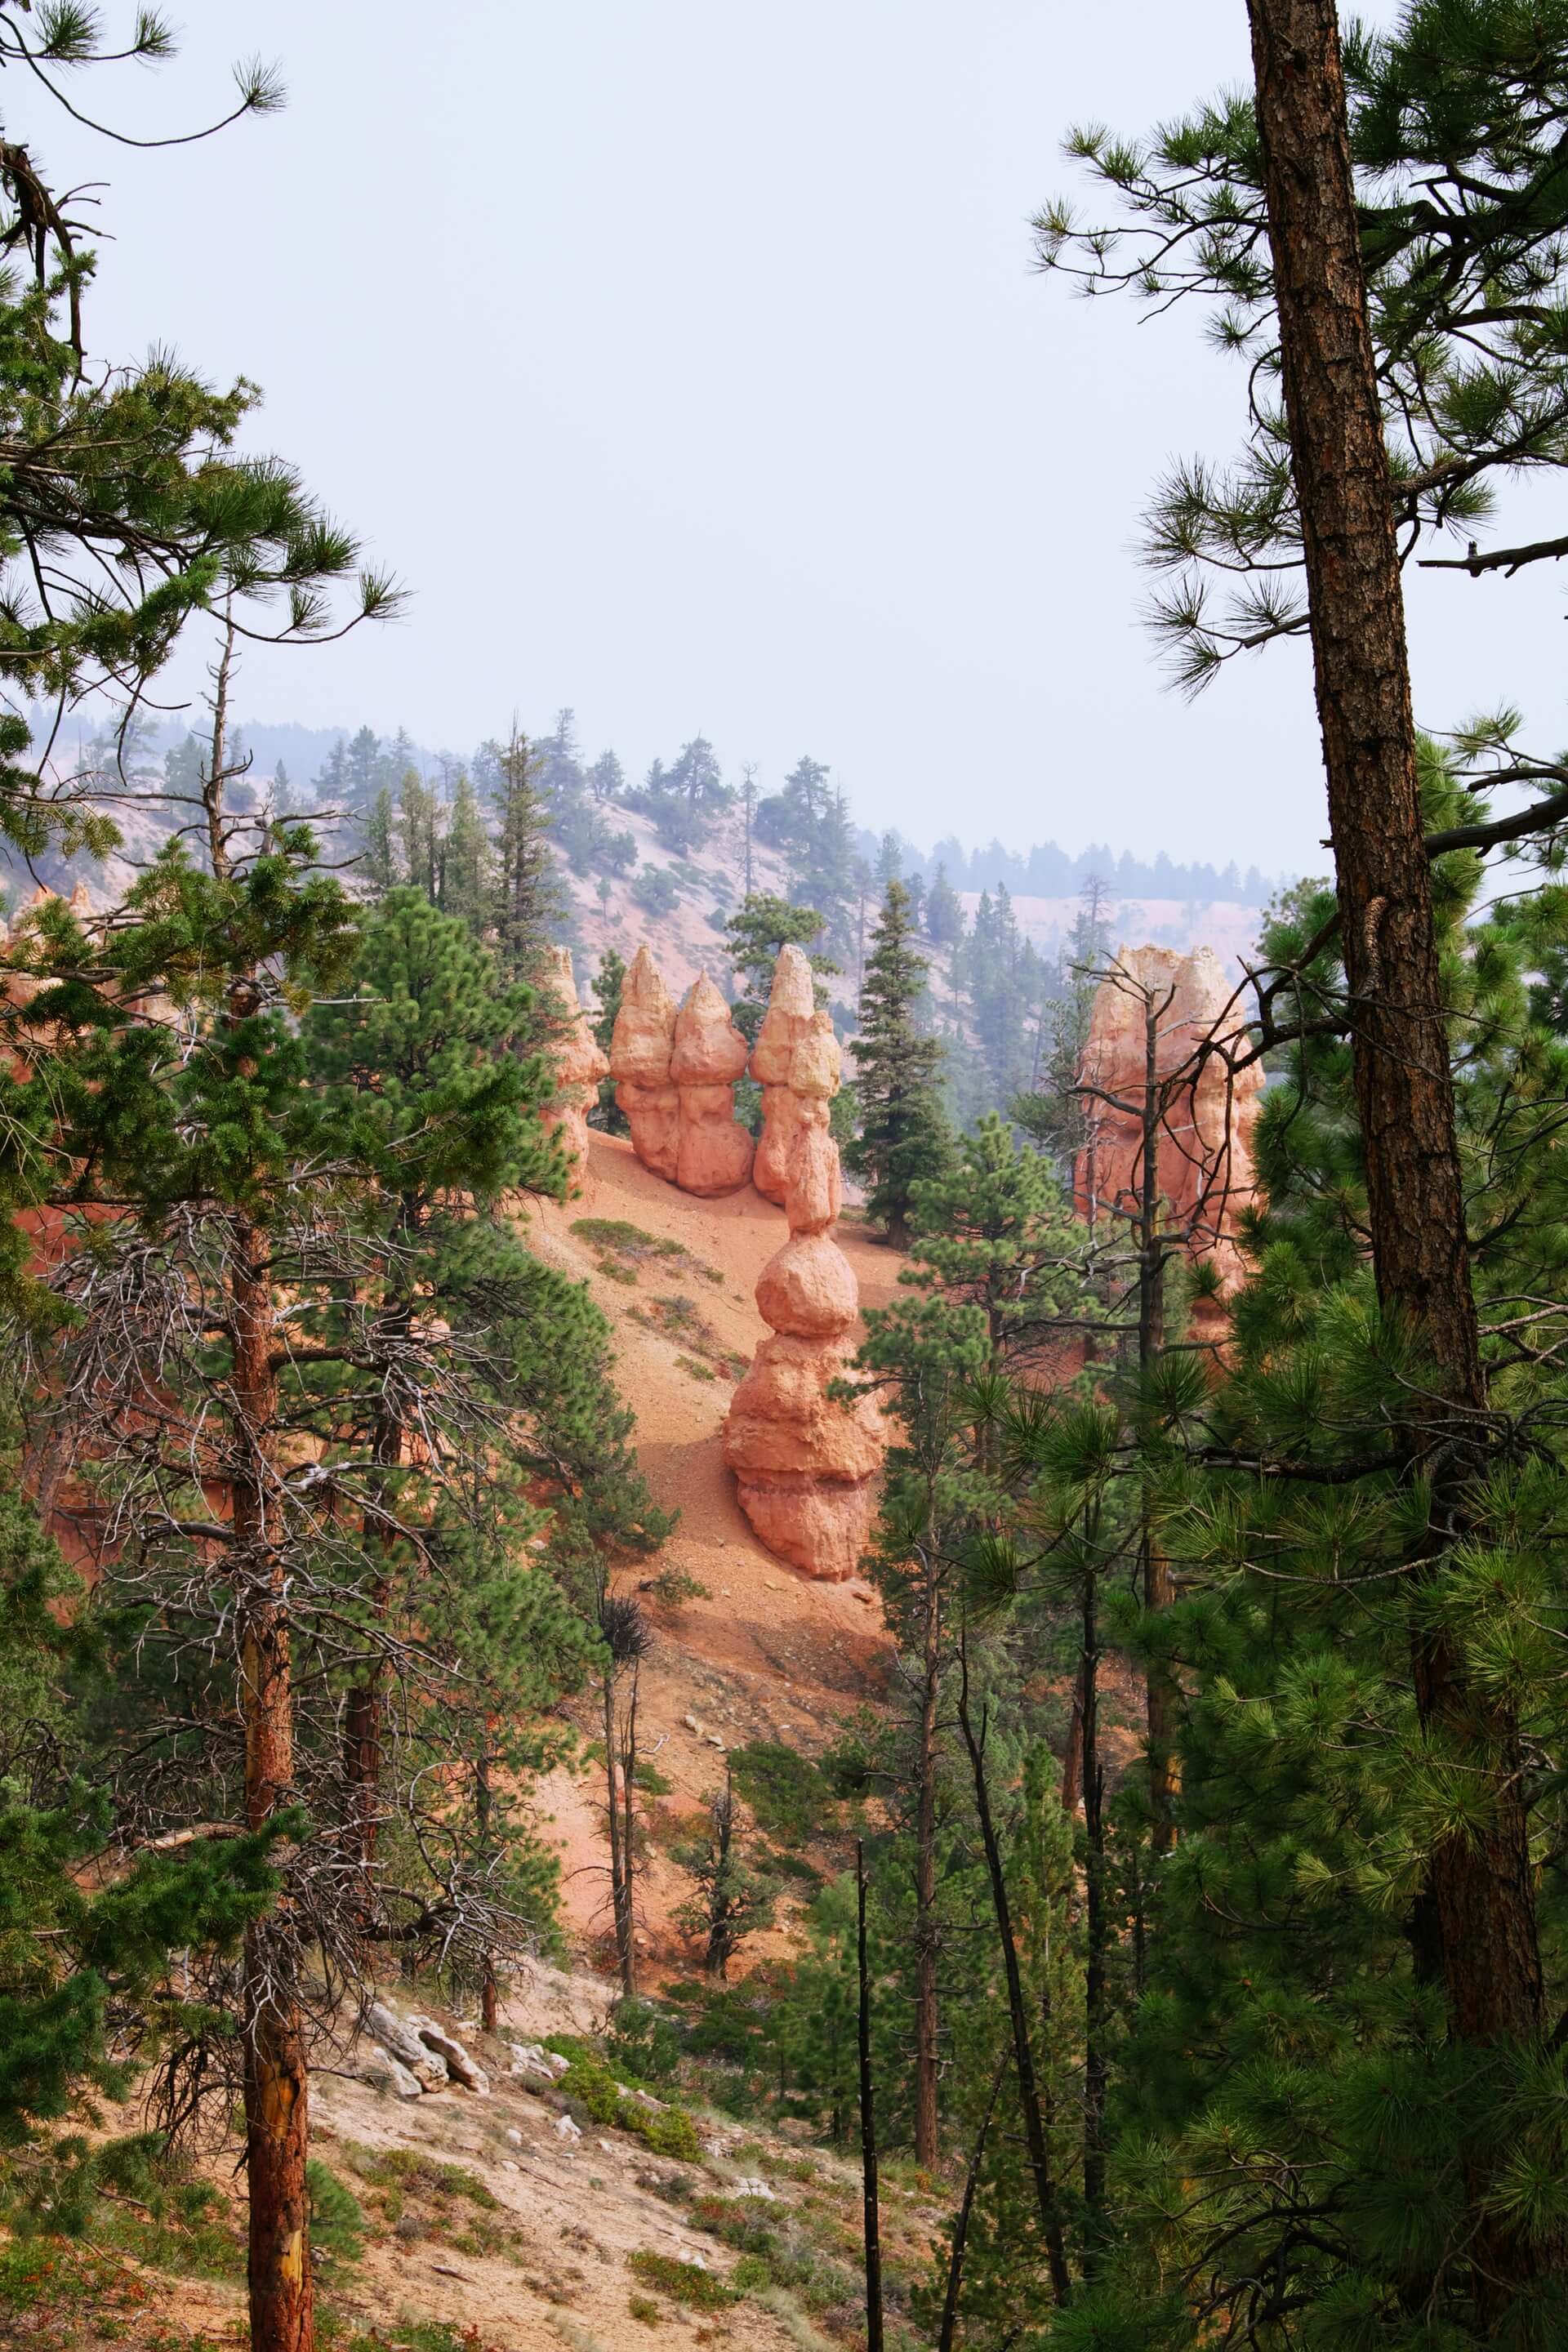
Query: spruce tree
[[903, 1135]]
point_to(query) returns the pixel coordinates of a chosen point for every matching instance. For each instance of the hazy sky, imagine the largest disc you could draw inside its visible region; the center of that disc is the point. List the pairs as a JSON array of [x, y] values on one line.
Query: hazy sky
[[685, 360]]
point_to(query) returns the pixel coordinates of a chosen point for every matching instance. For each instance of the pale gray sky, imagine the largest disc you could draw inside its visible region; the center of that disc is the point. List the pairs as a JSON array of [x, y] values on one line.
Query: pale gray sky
[[685, 360]]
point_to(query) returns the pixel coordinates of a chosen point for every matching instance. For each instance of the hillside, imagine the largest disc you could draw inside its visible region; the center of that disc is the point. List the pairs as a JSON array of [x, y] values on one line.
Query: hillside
[[767, 1654]]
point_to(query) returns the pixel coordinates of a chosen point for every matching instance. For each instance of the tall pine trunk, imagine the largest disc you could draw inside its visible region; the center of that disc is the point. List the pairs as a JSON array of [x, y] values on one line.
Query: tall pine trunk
[[1477, 1915], [276, 2075]]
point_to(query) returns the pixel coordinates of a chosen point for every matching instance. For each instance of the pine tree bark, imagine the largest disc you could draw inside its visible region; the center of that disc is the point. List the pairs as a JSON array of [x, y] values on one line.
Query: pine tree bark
[[1479, 1902], [277, 2100]]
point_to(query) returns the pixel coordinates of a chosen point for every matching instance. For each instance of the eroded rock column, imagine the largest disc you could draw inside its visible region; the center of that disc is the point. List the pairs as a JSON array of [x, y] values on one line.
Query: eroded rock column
[[805, 1466], [714, 1152], [642, 1045], [579, 1066], [674, 1077], [797, 1063]]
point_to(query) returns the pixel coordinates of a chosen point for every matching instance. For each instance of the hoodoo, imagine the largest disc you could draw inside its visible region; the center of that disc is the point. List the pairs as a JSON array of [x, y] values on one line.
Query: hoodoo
[[1205, 1112], [714, 1152], [579, 1066], [804, 1464], [797, 1063], [674, 1077]]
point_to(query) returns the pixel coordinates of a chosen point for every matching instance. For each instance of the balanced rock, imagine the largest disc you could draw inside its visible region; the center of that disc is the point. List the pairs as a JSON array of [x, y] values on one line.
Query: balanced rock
[[1204, 1167], [579, 1066], [805, 1465]]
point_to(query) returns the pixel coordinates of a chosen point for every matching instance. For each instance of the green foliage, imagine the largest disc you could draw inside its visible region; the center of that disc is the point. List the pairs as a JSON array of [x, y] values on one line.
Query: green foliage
[[669, 2130], [337, 2218], [785, 1791], [760, 927], [696, 2290], [903, 1136]]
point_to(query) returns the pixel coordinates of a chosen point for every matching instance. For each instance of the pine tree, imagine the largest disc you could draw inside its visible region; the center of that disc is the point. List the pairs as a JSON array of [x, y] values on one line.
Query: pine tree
[[756, 934], [903, 1135], [732, 1899], [468, 863], [609, 982], [379, 865], [944, 915], [528, 908]]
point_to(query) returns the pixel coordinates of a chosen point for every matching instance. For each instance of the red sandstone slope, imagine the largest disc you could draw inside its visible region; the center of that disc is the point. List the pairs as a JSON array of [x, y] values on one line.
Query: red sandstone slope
[[767, 1654]]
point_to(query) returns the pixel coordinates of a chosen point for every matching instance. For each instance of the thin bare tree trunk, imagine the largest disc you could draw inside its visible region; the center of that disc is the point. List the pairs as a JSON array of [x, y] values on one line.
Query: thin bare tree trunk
[[1096, 1934], [926, 1936], [960, 2221], [869, 2197], [1160, 1697], [1023, 2054]]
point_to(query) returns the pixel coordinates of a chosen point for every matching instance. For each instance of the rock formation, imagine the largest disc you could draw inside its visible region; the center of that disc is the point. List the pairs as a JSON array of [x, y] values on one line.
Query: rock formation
[[675, 1079], [805, 1465], [641, 1044], [713, 1154], [1203, 1156], [579, 1066], [797, 1063]]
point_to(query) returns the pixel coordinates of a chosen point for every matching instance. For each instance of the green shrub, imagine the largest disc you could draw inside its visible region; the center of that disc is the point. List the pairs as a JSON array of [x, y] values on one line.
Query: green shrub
[[337, 2218], [668, 2131], [786, 1791], [642, 2045], [699, 2290], [642, 2307]]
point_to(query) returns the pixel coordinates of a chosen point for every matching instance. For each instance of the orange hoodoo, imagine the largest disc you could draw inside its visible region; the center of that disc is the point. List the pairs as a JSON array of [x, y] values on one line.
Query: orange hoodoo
[[1204, 1155], [674, 1077], [805, 1466], [579, 1066]]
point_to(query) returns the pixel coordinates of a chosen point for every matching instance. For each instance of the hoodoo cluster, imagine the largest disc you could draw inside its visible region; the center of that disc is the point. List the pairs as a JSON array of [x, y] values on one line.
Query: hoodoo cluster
[[675, 1076], [806, 1461]]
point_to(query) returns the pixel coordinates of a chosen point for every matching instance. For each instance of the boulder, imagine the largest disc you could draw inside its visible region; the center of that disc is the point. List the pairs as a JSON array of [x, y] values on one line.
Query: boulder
[[384, 2072], [459, 2065], [402, 2042]]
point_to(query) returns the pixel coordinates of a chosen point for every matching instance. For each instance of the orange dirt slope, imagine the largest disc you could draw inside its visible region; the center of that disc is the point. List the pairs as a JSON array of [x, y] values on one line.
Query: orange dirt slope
[[767, 1653]]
